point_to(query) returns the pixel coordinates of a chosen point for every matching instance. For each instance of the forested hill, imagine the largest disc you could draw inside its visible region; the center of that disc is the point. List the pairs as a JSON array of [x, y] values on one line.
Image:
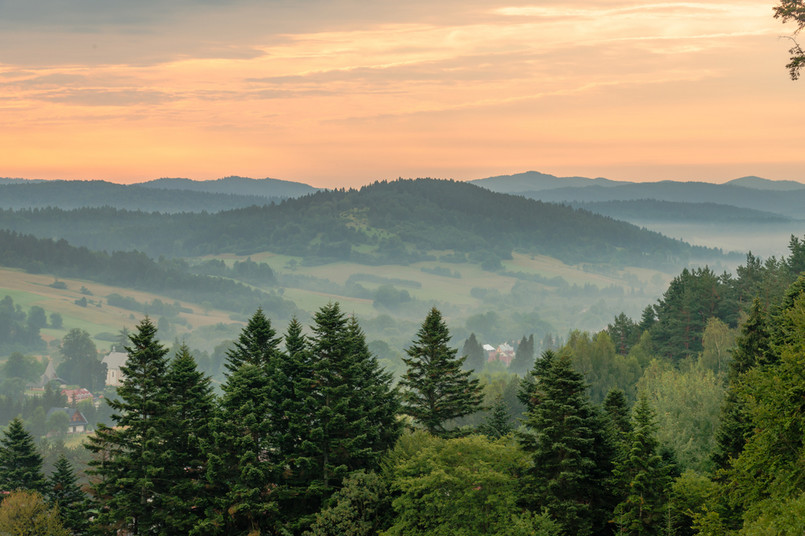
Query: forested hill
[[386, 222], [645, 210], [163, 195]]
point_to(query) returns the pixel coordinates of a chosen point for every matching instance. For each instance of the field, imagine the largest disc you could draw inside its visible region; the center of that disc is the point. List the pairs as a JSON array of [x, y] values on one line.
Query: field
[[97, 318]]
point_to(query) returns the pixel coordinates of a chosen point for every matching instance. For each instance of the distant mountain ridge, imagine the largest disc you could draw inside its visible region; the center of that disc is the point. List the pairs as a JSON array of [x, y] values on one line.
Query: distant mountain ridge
[[161, 195], [784, 198], [383, 223], [234, 185]]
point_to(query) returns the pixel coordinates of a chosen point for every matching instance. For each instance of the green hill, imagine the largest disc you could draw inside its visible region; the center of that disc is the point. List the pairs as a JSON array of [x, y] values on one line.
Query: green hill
[[384, 223]]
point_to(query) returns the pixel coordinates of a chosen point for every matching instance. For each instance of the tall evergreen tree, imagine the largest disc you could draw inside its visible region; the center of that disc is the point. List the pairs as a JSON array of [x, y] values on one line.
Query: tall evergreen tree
[[624, 333], [570, 456], [256, 345], [498, 423], [20, 461], [436, 389], [293, 402], [353, 419], [241, 469], [476, 356], [642, 472], [618, 413], [188, 434], [752, 348], [523, 356], [63, 491], [128, 458]]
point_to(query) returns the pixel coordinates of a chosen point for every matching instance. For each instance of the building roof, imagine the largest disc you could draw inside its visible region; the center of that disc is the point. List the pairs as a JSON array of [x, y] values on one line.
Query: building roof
[[76, 417], [115, 359]]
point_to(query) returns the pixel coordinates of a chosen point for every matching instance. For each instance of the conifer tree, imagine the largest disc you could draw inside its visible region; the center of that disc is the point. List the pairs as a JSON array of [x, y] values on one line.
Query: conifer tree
[[192, 410], [20, 461], [644, 474], [436, 389], [498, 423], [256, 345], [128, 458], [523, 356], [569, 451], [618, 413], [353, 419], [293, 401], [63, 491], [752, 348], [240, 469], [476, 356]]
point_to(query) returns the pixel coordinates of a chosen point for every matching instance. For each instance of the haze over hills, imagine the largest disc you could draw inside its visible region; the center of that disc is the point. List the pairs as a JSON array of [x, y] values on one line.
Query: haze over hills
[[241, 186], [386, 222]]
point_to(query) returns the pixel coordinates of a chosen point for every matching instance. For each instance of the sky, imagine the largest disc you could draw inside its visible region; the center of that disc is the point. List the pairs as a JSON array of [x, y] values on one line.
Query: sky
[[346, 92]]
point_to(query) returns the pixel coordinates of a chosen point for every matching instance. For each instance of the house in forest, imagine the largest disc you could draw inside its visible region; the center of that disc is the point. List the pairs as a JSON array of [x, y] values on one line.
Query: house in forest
[[74, 396], [77, 423], [113, 362]]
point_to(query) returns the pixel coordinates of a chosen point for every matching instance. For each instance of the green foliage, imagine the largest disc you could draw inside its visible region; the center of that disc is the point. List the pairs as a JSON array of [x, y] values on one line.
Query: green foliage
[[20, 461], [603, 368], [571, 456], [688, 405], [624, 333], [362, 507], [436, 390], [691, 494], [128, 459], [682, 313], [17, 333], [476, 356], [463, 486], [81, 365], [718, 341], [643, 474], [25, 513], [187, 435], [499, 421], [22, 366], [63, 492]]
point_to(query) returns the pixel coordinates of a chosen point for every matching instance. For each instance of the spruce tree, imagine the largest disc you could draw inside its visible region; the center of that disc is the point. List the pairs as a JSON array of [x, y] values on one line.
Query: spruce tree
[[128, 458], [256, 345], [752, 348], [618, 413], [192, 410], [498, 423], [353, 419], [570, 455], [20, 461], [644, 475], [63, 491], [293, 400], [436, 389], [476, 356], [523, 356], [240, 469]]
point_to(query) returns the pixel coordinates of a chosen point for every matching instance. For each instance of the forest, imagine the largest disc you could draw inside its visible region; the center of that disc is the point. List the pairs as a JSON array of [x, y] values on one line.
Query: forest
[[685, 421]]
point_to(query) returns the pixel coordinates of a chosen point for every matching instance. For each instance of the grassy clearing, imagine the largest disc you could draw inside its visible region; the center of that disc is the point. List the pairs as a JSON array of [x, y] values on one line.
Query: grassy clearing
[[33, 289]]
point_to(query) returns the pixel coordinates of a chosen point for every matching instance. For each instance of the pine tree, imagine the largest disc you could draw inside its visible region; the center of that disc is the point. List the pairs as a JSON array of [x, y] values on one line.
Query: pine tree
[[643, 473], [568, 448], [476, 356], [20, 461], [498, 423], [523, 356], [240, 469], [752, 348], [192, 410], [128, 457], [354, 408], [63, 491], [256, 345], [436, 389], [293, 401], [618, 413]]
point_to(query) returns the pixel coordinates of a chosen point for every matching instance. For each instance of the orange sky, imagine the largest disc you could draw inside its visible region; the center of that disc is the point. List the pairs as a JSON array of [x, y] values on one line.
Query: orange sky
[[344, 92]]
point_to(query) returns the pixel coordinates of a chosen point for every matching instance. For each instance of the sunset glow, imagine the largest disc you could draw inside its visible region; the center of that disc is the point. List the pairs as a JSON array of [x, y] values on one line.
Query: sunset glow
[[340, 93]]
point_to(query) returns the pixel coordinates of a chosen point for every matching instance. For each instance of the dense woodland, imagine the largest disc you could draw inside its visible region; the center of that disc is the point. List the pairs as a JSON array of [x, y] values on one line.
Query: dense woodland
[[685, 421], [387, 222]]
